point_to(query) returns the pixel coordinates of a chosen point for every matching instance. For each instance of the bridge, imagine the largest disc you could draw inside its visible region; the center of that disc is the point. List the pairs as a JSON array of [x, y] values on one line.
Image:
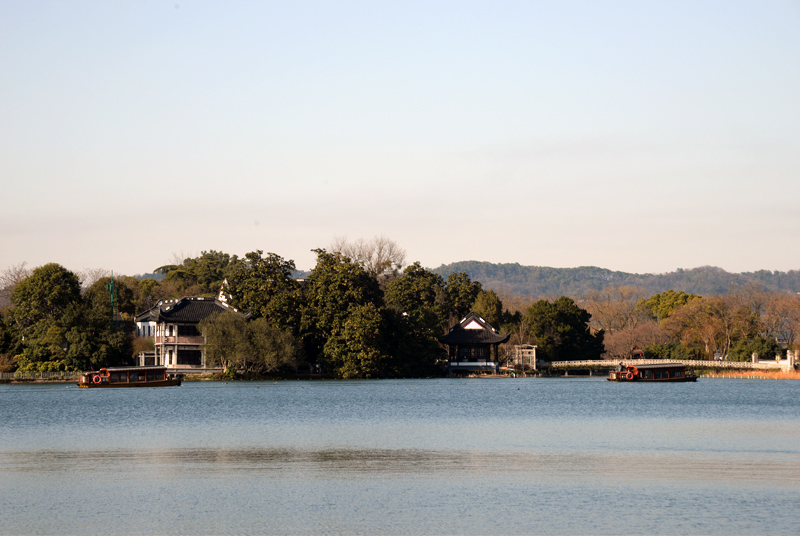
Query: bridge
[[40, 376], [607, 364]]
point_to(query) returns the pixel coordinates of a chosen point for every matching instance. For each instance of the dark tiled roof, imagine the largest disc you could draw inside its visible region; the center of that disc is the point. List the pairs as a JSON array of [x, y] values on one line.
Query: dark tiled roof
[[151, 315], [487, 335], [191, 310], [188, 310]]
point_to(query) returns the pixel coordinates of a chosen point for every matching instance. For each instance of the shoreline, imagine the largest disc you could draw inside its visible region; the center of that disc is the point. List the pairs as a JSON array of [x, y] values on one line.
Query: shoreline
[[744, 375]]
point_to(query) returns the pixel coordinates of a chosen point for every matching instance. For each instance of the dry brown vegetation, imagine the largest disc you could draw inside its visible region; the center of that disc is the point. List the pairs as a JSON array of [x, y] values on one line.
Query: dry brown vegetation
[[709, 325], [755, 374]]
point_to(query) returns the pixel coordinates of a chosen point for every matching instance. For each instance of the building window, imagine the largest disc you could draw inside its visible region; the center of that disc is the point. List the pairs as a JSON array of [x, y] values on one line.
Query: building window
[[190, 357], [188, 331]]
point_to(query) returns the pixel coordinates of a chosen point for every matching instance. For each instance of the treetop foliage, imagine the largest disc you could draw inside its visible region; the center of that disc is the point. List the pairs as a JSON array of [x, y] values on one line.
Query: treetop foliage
[[661, 305], [561, 331], [45, 294], [54, 327], [206, 272], [265, 287]]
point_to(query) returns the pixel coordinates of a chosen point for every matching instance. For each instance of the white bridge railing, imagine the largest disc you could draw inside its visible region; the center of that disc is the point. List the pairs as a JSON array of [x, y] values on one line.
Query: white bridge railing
[[601, 363], [54, 375]]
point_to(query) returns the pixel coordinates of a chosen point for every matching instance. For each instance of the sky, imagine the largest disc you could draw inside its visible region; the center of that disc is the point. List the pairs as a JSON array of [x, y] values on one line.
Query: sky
[[639, 136]]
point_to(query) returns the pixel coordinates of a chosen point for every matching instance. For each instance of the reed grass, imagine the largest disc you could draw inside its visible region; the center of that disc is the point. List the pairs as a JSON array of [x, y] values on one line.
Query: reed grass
[[754, 375]]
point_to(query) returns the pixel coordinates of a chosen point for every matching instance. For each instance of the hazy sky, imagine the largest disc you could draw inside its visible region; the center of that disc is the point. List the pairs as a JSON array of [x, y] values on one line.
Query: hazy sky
[[637, 136]]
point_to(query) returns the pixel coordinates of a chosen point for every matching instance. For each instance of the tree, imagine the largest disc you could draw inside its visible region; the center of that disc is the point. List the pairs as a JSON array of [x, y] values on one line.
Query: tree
[[256, 346], [714, 322], [489, 306], [561, 331], [335, 287], [694, 327], [60, 330], [622, 342], [416, 312], [226, 345], [45, 294], [781, 318], [269, 348], [412, 347], [42, 302], [732, 319], [9, 279], [669, 350], [90, 276], [93, 340], [380, 257], [81, 338], [98, 297], [662, 305], [264, 285], [743, 350], [354, 349], [418, 294], [10, 342], [146, 293], [461, 294], [205, 272], [616, 308]]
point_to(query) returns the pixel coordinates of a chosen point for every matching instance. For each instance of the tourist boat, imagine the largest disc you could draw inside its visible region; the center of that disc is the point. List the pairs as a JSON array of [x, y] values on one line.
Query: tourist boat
[[659, 372], [129, 377]]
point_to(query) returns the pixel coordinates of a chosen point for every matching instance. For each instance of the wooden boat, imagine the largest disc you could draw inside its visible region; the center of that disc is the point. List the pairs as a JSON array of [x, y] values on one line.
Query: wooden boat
[[660, 372], [129, 377]]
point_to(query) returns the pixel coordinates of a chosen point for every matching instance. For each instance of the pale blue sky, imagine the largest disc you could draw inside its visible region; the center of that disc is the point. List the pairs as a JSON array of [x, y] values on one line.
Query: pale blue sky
[[637, 136]]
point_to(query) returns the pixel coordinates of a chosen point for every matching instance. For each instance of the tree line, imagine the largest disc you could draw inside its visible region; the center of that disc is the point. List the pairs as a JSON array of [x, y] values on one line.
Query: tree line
[[541, 281], [359, 313], [680, 325]]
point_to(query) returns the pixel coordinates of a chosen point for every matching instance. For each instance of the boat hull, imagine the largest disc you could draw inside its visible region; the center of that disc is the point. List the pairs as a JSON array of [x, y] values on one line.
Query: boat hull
[[660, 380], [163, 383]]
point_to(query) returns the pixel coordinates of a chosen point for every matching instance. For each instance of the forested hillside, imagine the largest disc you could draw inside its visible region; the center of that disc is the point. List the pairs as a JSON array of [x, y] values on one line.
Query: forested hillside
[[542, 281]]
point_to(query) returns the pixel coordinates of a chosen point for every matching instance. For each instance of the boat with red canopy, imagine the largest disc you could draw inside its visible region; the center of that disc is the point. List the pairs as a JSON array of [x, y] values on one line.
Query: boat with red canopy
[[659, 372], [129, 377]]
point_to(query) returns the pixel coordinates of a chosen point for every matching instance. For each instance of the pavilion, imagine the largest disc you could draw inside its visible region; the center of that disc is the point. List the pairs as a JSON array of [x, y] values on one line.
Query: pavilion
[[472, 346]]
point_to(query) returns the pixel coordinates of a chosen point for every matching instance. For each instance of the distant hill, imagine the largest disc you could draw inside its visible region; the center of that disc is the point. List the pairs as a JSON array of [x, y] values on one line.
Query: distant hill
[[142, 277], [541, 281]]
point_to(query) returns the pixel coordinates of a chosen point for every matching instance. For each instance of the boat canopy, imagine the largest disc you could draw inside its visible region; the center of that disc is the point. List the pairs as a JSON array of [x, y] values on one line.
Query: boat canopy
[[131, 369], [657, 366]]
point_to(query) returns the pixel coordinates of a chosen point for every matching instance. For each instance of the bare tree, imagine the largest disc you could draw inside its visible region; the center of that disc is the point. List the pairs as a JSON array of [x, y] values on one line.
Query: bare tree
[[90, 276], [781, 318], [9, 279], [518, 337], [179, 258], [715, 322], [692, 323], [622, 342], [381, 257], [615, 308]]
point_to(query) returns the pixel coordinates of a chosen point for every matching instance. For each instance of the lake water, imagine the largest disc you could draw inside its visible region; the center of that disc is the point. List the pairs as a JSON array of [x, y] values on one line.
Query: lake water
[[501, 456]]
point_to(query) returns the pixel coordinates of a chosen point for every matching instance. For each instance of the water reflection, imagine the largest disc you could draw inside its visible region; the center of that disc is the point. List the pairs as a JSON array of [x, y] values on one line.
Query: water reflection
[[779, 469], [402, 457]]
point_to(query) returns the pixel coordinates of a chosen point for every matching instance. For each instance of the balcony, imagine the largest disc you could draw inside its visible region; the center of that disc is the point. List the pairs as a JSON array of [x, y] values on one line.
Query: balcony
[[188, 339]]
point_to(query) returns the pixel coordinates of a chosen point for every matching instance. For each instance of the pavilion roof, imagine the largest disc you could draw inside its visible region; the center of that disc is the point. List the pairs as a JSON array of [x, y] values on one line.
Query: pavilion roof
[[473, 329]]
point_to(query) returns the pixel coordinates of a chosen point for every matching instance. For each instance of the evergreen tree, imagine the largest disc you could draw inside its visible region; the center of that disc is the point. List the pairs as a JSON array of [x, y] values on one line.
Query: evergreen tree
[[561, 331]]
